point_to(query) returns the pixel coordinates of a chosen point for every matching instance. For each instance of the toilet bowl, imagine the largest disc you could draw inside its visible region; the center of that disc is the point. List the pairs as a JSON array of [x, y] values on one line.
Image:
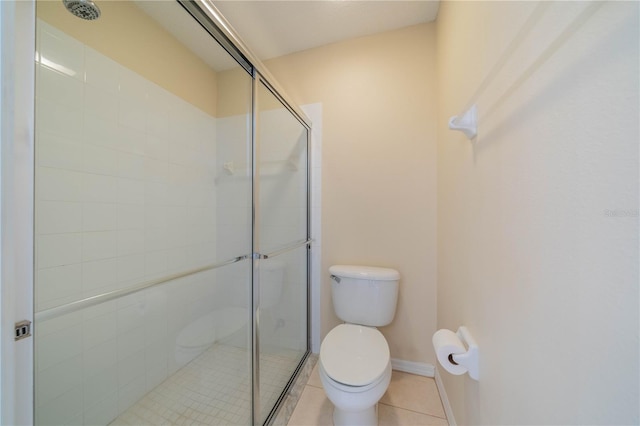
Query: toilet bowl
[[355, 370], [354, 362]]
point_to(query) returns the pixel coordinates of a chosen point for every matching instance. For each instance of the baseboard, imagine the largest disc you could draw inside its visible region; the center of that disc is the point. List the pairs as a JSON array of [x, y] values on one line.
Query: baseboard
[[445, 400], [419, 368]]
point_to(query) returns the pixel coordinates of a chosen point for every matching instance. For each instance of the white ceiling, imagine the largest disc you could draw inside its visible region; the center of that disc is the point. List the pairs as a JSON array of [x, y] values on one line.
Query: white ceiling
[[275, 28]]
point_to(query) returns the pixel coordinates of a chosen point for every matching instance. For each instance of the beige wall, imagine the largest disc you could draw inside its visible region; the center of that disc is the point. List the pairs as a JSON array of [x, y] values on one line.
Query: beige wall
[[128, 36], [531, 255], [234, 92], [379, 167]]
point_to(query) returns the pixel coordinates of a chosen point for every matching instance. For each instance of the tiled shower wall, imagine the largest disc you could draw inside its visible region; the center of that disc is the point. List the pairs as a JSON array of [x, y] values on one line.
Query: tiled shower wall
[[125, 175], [125, 193]]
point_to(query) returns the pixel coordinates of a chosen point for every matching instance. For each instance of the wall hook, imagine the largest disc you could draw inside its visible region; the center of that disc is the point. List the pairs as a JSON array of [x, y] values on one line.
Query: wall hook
[[467, 123]]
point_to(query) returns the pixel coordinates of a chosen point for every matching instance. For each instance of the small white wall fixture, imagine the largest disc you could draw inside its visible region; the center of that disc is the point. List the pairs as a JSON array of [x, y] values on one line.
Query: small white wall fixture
[[466, 123]]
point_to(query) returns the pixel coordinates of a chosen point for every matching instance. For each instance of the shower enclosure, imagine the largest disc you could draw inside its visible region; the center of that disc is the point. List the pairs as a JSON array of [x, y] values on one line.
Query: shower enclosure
[[171, 220]]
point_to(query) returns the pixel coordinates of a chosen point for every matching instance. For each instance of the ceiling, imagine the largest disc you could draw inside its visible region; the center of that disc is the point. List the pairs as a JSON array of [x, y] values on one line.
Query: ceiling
[[275, 28]]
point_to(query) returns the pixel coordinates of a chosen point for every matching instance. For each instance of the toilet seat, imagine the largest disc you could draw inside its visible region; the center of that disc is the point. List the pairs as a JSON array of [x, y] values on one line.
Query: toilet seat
[[354, 355]]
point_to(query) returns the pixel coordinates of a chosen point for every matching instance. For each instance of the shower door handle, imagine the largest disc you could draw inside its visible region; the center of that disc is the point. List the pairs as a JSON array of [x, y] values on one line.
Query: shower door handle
[[283, 250]]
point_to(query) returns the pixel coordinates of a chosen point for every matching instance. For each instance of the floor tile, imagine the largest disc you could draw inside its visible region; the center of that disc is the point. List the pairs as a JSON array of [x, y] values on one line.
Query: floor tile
[[314, 379], [394, 416], [414, 393], [213, 389], [313, 409]]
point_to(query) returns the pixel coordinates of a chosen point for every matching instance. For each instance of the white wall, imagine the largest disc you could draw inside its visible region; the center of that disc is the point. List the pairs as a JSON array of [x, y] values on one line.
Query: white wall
[[538, 217]]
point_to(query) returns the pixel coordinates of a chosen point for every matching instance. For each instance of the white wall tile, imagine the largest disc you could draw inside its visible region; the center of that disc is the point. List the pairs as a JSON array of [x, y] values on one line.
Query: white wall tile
[[155, 364], [60, 51], [99, 245], [132, 113], [56, 380], [130, 191], [59, 119], [130, 268], [101, 72], [130, 341], [99, 160], [155, 217], [177, 235], [98, 330], [177, 259], [58, 283], [97, 130], [131, 140], [155, 263], [57, 347], [155, 170], [130, 242], [60, 88], [56, 217], [101, 385], [102, 412], [58, 249], [156, 194], [157, 116], [130, 166], [64, 410], [133, 86], [99, 188], [131, 368], [99, 217], [54, 325], [131, 316], [98, 275], [58, 152], [157, 148], [102, 103], [58, 184], [131, 392], [130, 216], [156, 239]]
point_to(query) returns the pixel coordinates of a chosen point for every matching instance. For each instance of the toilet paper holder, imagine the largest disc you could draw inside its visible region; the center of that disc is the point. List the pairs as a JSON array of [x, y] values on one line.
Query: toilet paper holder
[[468, 359]]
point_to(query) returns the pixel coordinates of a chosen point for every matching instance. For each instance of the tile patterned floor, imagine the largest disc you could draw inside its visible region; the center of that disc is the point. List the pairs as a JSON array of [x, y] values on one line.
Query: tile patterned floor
[[213, 389], [410, 400]]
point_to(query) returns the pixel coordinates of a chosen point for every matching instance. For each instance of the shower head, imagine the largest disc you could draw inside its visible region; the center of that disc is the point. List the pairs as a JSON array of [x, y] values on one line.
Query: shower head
[[84, 9]]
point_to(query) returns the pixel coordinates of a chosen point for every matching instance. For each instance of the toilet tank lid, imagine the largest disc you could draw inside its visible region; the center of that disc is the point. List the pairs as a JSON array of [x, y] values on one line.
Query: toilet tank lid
[[364, 272]]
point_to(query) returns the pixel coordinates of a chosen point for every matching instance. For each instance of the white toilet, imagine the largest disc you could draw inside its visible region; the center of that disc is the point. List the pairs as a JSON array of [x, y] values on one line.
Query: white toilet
[[355, 366]]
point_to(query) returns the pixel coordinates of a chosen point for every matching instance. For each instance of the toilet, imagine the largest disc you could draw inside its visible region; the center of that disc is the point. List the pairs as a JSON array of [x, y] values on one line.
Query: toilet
[[354, 364]]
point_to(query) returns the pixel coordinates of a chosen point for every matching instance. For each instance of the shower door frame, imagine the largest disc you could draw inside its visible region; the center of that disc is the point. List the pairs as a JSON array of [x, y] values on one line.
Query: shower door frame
[[258, 79], [17, 177], [17, 27], [223, 32]]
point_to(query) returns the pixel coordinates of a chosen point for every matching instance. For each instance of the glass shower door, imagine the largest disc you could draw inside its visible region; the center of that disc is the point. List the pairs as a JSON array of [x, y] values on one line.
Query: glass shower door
[[143, 228], [281, 240]]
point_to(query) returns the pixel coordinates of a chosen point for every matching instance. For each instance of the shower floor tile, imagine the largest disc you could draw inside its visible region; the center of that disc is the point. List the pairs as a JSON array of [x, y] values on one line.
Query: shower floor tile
[[213, 389]]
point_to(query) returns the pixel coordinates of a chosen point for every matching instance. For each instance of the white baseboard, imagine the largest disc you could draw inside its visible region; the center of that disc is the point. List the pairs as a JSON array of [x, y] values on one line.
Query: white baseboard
[[445, 400], [419, 368]]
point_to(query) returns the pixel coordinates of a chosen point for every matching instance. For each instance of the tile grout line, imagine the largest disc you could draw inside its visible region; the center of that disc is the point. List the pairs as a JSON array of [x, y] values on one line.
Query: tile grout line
[[413, 411]]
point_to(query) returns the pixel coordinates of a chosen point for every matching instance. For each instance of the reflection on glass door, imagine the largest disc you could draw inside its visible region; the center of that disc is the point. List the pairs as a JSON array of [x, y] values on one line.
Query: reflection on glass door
[[282, 221], [143, 177]]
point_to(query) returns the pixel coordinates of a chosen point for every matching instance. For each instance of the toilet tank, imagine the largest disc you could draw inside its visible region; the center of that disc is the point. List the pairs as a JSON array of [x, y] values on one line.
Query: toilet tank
[[364, 295]]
